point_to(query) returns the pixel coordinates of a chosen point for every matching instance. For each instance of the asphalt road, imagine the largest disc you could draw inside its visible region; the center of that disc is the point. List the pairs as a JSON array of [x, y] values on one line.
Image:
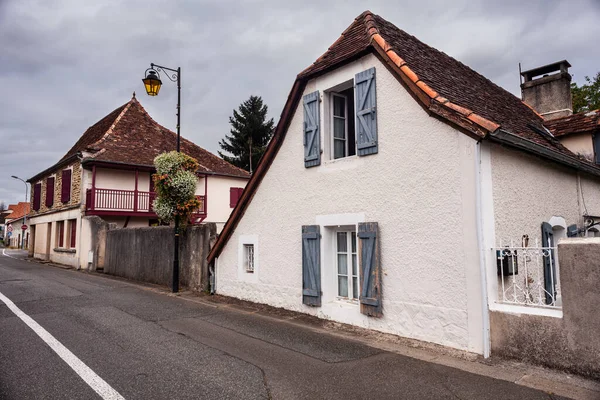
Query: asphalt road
[[149, 345]]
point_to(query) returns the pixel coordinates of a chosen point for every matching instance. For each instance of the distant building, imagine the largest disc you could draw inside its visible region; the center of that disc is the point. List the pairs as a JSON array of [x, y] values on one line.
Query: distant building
[[108, 173]]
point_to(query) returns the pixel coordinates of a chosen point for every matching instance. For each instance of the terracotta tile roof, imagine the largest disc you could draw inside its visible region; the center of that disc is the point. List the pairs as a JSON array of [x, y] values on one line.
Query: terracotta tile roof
[[129, 135], [443, 86], [19, 210], [583, 122]]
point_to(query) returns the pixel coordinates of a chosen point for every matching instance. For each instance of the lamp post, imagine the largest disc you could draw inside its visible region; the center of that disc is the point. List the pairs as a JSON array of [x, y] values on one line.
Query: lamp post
[[24, 215], [152, 83]]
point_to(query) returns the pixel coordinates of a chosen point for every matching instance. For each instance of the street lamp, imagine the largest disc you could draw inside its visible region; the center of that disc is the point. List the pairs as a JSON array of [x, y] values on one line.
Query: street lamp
[[25, 215], [152, 83]]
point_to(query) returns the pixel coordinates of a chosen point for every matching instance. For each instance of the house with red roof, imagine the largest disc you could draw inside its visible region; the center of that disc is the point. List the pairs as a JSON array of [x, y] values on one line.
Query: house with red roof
[[406, 193], [108, 173], [14, 223]]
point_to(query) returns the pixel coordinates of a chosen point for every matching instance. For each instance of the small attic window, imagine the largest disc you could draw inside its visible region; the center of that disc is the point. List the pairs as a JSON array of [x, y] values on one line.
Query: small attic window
[[342, 128]]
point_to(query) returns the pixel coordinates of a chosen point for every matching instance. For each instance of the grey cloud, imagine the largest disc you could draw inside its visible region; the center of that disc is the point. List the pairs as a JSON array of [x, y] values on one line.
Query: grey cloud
[[64, 64]]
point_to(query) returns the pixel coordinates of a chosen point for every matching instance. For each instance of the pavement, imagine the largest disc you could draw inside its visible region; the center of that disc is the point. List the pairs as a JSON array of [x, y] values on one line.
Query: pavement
[[142, 342]]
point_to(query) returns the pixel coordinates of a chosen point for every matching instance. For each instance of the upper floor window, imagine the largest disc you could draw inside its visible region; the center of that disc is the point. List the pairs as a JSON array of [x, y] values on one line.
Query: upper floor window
[[342, 123], [65, 188], [37, 196], [49, 191], [351, 109]]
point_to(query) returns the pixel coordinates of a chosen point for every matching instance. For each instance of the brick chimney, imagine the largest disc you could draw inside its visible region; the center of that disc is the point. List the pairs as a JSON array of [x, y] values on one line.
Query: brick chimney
[[550, 92]]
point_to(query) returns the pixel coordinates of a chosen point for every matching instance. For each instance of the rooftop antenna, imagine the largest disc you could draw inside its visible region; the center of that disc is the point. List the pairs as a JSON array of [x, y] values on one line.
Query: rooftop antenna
[[520, 76]]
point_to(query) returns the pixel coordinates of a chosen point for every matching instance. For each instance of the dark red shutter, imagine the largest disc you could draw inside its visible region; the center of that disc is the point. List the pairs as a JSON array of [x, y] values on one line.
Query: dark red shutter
[[73, 232], [234, 196], [65, 189], [37, 194], [49, 192]]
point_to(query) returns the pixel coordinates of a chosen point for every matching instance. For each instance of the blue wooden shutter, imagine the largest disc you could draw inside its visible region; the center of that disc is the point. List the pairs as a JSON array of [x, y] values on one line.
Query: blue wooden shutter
[[370, 270], [312, 130], [311, 265], [549, 264], [366, 112], [597, 147]]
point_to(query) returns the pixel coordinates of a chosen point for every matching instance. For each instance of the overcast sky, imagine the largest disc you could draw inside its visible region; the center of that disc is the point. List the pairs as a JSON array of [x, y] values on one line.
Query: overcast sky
[[65, 64]]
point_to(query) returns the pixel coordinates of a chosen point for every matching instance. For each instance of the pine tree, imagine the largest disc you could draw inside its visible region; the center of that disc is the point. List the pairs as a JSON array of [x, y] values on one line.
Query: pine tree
[[250, 134]]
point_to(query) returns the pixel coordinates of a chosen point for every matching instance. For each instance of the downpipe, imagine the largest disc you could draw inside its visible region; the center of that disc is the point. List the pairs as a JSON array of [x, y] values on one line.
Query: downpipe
[[480, 246]]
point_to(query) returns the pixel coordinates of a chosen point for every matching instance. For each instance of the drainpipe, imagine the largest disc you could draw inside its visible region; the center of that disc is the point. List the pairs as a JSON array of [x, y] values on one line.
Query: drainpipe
[[480, 246]]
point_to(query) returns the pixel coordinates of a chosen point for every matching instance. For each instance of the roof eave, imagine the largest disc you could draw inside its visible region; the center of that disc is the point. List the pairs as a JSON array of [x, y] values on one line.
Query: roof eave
[[512, 140], [59, 164]]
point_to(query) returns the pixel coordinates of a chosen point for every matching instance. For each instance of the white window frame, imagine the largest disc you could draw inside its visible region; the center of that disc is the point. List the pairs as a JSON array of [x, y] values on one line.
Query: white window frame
[[243, 273], [353, 297], [333, 95], [249, 257]]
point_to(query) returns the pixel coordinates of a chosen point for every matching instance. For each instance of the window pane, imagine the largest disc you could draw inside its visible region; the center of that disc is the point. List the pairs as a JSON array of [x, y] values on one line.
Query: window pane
[[354, 271], [353, 242], [339, 128], [339, 148], [341, 242], [355, 288], [339, 106], [342, 264], [343, 286]]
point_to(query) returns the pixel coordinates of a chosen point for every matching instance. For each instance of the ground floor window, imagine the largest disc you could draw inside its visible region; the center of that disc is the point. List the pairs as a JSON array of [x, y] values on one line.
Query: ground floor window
[[72, 233], [346, 265], [249, 258], [60, 234]]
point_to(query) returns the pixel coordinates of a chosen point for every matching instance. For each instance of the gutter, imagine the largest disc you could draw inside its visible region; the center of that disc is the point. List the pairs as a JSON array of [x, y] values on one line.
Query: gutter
[[518, 142]]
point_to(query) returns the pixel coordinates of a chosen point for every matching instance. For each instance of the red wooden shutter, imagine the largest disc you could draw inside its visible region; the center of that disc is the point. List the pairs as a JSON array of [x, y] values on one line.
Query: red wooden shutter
[[73, 232], [65, 190], [49, 192], [233, 198], [37, 194]]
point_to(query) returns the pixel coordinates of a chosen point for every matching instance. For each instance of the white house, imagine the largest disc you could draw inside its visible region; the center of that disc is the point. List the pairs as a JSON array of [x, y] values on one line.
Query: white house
[[394, 177], [108, 173]]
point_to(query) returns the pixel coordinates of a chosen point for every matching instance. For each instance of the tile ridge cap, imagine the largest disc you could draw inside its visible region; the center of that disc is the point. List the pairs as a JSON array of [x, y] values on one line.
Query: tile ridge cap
[[378, 40]]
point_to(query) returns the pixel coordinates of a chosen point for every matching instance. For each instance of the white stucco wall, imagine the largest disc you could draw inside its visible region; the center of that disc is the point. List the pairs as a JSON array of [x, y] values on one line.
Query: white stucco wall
[[64, 256], [219, 209], [526, 191], [420, 188]]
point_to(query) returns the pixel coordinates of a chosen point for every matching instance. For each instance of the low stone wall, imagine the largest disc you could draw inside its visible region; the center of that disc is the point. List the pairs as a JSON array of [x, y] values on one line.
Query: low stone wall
[[146, 254], [573, 342]]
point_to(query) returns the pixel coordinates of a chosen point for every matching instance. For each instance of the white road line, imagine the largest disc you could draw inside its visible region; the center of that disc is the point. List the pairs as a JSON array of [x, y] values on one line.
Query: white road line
[[90, 377], [8, 255]]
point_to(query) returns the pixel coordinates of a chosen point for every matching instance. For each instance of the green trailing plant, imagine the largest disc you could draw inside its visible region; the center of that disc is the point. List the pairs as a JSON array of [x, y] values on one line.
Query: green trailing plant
[[175, 186]]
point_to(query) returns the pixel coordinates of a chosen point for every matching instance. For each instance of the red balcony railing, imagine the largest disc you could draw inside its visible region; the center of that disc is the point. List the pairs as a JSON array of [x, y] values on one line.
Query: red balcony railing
[[128, 202]]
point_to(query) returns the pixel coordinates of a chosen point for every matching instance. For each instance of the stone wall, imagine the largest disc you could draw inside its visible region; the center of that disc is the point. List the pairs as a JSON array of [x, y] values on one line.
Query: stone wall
[[146, 254], [57, 205], [572, 342]]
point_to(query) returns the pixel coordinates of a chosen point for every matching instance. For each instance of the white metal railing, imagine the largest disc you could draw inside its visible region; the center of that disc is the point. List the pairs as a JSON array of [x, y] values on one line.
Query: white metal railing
[[528, 275]]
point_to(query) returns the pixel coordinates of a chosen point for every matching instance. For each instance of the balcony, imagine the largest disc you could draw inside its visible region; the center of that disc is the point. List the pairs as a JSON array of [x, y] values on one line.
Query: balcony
[[116, 202]]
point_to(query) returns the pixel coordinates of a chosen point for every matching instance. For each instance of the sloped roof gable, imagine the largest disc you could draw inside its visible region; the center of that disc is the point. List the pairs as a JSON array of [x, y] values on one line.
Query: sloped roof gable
[[128, 135]]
